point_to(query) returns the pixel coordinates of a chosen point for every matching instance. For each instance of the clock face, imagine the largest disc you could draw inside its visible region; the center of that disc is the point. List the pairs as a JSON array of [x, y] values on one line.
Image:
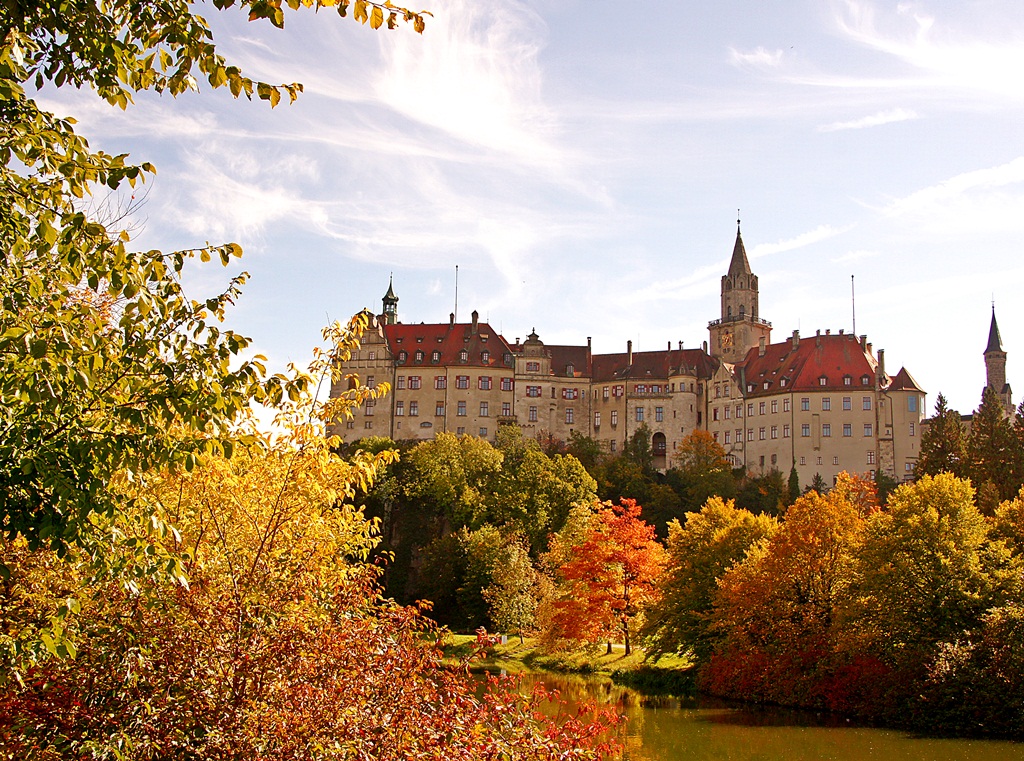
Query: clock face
[[726, 339]]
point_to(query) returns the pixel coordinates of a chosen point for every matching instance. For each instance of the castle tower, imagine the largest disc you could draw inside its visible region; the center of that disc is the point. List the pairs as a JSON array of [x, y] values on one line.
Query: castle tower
[[390, 304], [995, 365], [740, 328]]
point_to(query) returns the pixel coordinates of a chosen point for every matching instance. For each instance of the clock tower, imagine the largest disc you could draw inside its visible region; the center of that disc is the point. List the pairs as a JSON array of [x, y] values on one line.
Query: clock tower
[[740, 327]]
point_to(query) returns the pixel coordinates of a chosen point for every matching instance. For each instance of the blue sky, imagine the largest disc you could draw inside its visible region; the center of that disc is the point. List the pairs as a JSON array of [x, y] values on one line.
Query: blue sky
[[582, 164]]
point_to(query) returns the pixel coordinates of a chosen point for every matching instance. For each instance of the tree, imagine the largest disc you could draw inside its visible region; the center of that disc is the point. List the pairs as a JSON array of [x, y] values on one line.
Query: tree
[[766, 493], [514, 592], [703, 469], [105, 364], [637, 450], [818, 484], [609, 577], [793, 486], [454, 474], [699, 552], [942, 443], [927, 571], [990, 457]]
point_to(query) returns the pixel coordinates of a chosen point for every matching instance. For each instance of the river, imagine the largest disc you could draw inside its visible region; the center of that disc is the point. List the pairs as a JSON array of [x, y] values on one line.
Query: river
[[669, 729]]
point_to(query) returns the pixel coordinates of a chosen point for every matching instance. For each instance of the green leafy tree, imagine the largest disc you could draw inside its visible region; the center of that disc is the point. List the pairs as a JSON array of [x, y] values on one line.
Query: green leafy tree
[[927, 571], [766, 493], [943, 443], [585, 449], [105, 364], [702, 470], [455, 475], [515, 589], [699, 553]]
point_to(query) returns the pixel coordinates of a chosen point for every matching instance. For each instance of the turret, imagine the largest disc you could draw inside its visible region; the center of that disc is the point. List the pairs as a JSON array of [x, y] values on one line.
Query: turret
[[740, 327], [390, 301]]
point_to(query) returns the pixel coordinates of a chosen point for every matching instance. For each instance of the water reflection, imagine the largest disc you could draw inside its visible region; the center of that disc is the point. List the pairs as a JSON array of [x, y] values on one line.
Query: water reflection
[[669, 729]]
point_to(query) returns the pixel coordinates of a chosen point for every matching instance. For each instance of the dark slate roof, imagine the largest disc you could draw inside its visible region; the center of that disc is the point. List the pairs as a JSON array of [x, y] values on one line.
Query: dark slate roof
[[563, 356], [450, 340], [833, 357], [995, 343], [739, 264], [904, 381], [390, 295], [653, 364]]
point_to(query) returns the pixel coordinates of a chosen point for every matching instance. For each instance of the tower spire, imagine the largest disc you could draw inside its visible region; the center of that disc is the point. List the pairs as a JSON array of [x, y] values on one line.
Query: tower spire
[[995, 342], [390, 301]]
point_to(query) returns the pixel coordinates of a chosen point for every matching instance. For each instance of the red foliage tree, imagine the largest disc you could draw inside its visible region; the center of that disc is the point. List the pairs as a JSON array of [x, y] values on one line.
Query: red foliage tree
[[610, 577]]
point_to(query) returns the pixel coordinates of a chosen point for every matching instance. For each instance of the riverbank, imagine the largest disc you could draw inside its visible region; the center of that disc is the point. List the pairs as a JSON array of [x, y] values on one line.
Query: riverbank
[[672, 675]]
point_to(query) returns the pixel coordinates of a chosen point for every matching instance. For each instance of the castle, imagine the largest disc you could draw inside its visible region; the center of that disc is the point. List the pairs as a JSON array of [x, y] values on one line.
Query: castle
[[822, 404]]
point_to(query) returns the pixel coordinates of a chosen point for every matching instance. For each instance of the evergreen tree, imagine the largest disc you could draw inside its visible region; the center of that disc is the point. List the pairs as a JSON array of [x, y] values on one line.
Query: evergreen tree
[[990, 449], [794, 486], [818, 484], [943, 446]]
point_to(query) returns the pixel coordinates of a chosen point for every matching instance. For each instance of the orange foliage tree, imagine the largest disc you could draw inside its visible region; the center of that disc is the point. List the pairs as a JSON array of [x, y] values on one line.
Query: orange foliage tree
[[608, 576]]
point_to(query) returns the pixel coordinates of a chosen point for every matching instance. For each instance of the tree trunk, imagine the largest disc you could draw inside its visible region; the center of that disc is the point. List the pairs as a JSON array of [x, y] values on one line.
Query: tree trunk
[[609, 650]]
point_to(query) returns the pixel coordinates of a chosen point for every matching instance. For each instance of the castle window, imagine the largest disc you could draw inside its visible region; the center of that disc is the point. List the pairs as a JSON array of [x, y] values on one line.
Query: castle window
[[728, 437], [803, 460], [435, 357], [533, 415], [912, 403], [847, 380], [464, 356], [750, 434], [533, 367], [506, 408], [401, 382], [403, 356], [533, 391], [440, 382], [865, 380], [913, 429], [461, 409], [485, 357], [615, 418], [569, 416], [484, 409], [785, 404], [823, 380], [868, 430], [640, 414], [866, 403], [805, 403], [785, 431], [414, 381], [750, 409], [775, 432], [847, 403], [484, 383], [761, 408], [597, 420], [847, 429], [760, 433], [506, 384], [461, 381], [570, 370], [871, 457], [508, 359], [400, 408], [414, 408], [805, 431], [826, 403], [775, 406], [418, 357], [373, 355], [775, 459], [743, 309], [483, 433], [439, 409], [826, 430], [728, 409], [835, 460]]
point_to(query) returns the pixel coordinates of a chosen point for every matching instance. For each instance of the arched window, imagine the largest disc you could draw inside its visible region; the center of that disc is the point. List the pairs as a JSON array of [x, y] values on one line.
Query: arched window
[[743, 309]]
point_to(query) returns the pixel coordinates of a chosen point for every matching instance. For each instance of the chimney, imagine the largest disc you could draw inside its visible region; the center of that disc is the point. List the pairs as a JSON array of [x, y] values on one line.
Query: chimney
[[828, 331], [589, 347], [796, 340], [817, 339], [476, 325], [840, 331], [669, 347], [881, 363], [868, 347], [760, 347], [705, 347], [864, 342], [629, 353], [680, 346], [451, 319]]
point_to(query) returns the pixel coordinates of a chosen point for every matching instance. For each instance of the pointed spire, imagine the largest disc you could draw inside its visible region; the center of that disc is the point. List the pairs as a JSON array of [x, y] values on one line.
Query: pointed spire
[[739, 264], [995, 343], [391, 290]]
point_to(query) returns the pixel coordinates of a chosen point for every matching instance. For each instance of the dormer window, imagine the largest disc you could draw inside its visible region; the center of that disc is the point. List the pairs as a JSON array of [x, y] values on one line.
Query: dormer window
[[847, 380], [418, 357], [464, 356], [435, 357], [766, 384], [865, 380], [508, 359], [782, 382], [570, 370], [823, 380], [485, 357], [403, 357]]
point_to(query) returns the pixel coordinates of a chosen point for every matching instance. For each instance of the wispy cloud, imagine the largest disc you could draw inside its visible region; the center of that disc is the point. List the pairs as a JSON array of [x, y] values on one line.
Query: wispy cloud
[[818, 234], [1011, 173], [875, 120], [760, 58], [855, 256]]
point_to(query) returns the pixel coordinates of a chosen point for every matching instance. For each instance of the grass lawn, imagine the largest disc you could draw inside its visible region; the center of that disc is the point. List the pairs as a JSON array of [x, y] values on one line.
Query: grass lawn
[[669, 674]]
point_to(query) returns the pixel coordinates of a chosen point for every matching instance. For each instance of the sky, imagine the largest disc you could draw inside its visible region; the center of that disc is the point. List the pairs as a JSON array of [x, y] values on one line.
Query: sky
[[582, 164]]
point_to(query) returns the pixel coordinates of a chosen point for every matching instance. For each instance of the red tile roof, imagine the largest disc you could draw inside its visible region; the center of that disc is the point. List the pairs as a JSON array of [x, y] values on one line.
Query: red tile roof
[[449, 340], [832, 357], [563, 356]]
